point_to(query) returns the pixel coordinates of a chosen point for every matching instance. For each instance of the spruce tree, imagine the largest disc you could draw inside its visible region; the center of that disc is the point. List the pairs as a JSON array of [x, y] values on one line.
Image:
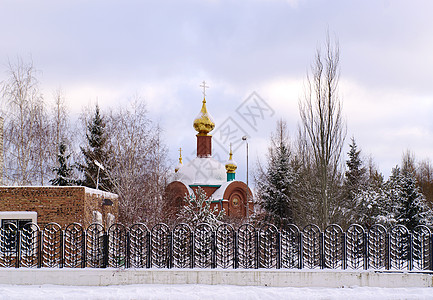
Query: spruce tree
[[354, 185], [277, 184], [355, 176], [398, 201], [409, 203], [96, 150], [64, 170]]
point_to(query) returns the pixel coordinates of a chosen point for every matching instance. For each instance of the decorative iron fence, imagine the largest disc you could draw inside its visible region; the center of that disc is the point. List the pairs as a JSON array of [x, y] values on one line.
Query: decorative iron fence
[[221, 247]]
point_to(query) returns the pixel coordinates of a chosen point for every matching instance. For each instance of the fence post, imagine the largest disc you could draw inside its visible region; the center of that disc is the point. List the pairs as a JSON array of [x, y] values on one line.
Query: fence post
[[128, 250], [301, 251], [213, 250], [344, 258], [105, 249], [366, 256], [279, 250], [170, 249], [40, 248], [235, 255], [191, 250], [149, 249], [322, 250], [388, 252], [431, 251], [256, 244], [84, 249], [410, 254], [62, 249], [18, 248]]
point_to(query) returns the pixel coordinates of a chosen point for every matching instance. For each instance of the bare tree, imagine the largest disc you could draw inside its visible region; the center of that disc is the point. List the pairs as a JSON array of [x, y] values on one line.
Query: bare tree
[[323, 131], [137, 164], [423, 172], [424, 176], [26, 126], [41, 153], [61, 135], [60, 119]]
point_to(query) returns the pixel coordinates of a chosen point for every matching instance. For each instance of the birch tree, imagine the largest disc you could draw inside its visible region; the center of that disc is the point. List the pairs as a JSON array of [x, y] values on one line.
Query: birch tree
[[138, 165], [26, 126]]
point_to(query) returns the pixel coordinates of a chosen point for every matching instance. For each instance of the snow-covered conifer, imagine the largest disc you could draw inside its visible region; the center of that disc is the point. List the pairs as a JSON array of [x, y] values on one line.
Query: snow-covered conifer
[[277, 181], [96, 150], [64, 170], [197, 210], [398, 201]]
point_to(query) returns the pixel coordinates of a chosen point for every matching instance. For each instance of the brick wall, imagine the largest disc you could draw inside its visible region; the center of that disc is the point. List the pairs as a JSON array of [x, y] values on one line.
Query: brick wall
[[63, 205], [94, 201]]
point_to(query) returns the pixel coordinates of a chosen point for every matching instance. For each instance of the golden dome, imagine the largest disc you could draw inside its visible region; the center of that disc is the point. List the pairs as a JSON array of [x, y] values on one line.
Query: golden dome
[[231, 164], [203, 124]]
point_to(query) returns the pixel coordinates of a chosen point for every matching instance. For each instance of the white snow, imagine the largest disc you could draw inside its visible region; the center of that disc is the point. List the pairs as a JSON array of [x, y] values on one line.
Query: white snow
[[197, 291], [202, 170]]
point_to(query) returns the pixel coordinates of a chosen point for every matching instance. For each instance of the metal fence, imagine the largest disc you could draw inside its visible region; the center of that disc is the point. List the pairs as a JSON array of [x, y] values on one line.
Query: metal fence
[[224, 247]]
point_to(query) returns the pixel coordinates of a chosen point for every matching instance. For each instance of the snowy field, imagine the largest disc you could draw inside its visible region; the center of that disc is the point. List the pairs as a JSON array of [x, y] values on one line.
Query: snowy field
[[198, 291]]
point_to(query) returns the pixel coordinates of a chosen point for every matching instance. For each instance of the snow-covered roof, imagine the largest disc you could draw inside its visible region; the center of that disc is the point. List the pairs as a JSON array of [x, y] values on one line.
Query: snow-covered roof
[[100, 193], [87, 190], [203, 171], [219, 193]]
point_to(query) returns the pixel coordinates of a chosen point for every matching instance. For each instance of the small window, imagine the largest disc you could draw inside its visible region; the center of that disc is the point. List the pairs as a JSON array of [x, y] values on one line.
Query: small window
[[19, 223], [10, 234]]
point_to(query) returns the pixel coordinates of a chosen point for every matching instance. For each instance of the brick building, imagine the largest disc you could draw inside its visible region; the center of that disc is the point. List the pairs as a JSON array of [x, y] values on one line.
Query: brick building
[[62, 205], [216, 179]]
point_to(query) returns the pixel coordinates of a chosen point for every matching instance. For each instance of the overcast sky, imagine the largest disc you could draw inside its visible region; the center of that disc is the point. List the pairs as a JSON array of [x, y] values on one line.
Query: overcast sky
[[109, 51]]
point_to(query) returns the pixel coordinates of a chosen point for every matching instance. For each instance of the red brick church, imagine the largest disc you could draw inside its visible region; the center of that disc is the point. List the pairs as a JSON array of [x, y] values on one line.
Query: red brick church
[[216, 179]]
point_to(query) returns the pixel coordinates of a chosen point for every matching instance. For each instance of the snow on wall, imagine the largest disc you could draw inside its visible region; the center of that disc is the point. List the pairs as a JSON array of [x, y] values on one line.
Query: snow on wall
[[240, 277]]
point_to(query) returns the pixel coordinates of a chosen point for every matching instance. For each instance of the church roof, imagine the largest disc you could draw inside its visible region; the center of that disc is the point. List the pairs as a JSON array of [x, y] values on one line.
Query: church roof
[[202, 171]]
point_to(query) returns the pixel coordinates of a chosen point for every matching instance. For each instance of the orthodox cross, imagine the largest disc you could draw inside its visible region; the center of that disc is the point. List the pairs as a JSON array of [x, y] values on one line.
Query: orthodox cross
[[180, 155], [204, 86]]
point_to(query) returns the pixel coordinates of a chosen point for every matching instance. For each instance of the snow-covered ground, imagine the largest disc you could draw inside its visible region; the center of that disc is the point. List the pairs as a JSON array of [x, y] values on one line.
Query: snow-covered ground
[[199, 291]]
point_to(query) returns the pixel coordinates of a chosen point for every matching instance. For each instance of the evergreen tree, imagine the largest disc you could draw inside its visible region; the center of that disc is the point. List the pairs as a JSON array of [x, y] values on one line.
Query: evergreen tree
[[64, 170], [355, 181], [369, 207], [398, 201], [276, 184], [96, 151], [197, 210], [355, 176], [406, 199]]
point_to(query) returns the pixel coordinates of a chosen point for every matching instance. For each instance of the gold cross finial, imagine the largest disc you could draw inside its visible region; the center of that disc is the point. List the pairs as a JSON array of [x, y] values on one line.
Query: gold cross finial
[[180, 155], [231, 153], [204, 86]]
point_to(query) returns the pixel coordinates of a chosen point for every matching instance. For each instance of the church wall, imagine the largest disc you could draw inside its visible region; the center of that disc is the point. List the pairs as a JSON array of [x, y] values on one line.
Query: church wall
[[236, 194], [209, 190]]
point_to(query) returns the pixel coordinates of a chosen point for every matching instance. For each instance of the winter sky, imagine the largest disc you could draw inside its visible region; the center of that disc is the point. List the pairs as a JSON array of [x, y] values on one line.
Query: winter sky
[[109, 51]]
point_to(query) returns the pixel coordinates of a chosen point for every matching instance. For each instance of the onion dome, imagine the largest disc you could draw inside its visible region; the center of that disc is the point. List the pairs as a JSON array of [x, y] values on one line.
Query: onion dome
[[203, 124], [180, 161], [231, 165]]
